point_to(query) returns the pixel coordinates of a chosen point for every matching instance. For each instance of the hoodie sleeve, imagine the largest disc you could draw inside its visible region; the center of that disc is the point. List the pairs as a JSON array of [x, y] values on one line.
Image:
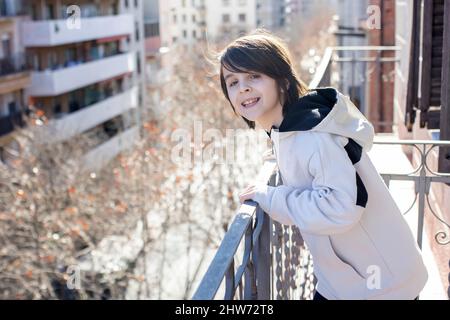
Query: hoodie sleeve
[[330, 206]]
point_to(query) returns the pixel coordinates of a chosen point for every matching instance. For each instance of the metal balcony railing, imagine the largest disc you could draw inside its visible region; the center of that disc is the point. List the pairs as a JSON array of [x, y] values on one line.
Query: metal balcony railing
[[10, 122], [271, 252], [14, 64], [6, 10]]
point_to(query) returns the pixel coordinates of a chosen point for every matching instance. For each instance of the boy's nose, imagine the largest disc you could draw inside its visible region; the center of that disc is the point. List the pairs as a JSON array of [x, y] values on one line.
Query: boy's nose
[[245, 88]]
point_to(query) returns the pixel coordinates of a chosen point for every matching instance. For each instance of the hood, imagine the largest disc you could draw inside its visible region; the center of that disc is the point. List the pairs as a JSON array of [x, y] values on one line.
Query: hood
[[327, 110]]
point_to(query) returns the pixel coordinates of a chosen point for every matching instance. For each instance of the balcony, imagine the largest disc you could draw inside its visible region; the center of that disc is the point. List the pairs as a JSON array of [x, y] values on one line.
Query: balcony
[[14, 64], [8, 11], [58, 32], [9, 123], [56, 82], [87, 118], [101, 155], [14, 74]]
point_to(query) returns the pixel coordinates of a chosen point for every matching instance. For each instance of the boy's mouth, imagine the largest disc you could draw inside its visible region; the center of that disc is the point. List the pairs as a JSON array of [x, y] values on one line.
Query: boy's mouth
[[250, 102]]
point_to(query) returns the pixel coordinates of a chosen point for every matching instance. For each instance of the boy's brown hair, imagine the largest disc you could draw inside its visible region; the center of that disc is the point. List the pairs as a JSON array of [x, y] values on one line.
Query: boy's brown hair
[[265, 53]]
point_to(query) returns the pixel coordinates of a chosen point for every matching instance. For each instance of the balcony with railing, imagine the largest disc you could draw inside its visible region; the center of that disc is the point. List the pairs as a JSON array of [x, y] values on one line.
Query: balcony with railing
[[58, 32], [10, 122], [258, 258], [10, 8], [14, 64], [56, 82], [99, 156], [72, 124], [14, 73]]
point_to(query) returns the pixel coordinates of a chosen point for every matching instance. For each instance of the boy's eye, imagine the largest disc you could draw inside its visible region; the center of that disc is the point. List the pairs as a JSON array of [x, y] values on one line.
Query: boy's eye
[[252, 76]]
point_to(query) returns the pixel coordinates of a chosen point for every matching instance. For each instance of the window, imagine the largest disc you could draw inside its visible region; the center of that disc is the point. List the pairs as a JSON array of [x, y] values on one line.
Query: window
[[34, 11], [57, 108], [194, 34], [89, 10], [184, 18], [242, 2], [184, 34], [138, 63], [151, 29], [137, 31], [6, 46], [183, 3], [174, 18], [193, 18], [70, 56], [49, 12], [94, 53], [226, 18], [226, 3], [242, 17]]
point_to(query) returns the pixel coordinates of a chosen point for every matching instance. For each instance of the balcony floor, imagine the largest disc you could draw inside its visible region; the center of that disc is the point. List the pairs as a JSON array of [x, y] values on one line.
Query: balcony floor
[[403, 192]]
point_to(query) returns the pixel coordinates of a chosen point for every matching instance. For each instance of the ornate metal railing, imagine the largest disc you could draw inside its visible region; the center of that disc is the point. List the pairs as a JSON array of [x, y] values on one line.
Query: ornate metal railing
[[422, 176]]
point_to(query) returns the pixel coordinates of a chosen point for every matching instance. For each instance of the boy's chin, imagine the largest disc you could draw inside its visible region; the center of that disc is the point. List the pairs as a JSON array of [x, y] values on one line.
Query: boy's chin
[[254, 119]]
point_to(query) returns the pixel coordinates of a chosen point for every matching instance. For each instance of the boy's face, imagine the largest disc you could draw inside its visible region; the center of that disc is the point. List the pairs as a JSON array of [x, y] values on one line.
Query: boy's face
[[244, 87]]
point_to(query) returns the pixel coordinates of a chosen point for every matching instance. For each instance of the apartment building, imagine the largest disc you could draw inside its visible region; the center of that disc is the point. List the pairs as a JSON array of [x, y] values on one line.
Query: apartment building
[[158, 62], [87, 71], [181, 21], [14, 76], [152, 41], [270, 14], [227, 19]]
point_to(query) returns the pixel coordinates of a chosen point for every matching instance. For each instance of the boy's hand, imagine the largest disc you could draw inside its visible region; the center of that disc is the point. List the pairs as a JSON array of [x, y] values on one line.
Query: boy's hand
[[247, 194], [268, 155]]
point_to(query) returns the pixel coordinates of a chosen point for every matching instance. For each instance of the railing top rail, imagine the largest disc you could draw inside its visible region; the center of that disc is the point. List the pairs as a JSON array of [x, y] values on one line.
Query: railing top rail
[[218, 267], [322, 68], [224, 255], [364, 48], [413, 142]]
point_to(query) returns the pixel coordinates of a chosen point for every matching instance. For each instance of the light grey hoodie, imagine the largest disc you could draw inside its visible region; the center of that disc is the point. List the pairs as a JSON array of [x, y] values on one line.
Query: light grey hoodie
[[361, 245]]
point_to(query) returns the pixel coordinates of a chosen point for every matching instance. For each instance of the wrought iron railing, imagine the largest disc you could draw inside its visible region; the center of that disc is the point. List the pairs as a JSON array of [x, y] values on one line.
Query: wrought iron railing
[[10, 122], [275, 262], [423, 177], [14, 64]]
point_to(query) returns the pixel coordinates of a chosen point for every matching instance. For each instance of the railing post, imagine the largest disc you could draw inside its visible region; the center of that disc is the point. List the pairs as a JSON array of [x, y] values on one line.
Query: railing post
[[422, 186], [262, 257], [249, 273], [229, 282]]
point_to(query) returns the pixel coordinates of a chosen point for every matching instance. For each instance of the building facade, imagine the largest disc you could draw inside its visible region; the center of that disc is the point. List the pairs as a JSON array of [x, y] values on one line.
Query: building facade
[[87, 71], [14, 76]]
